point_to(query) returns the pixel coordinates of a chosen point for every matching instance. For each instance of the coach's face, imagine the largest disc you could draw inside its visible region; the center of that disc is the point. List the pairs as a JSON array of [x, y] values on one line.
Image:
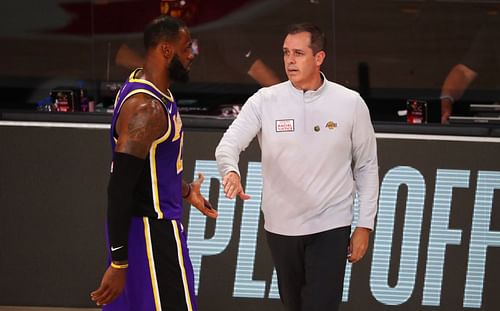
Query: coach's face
[[302, 65], [183, 57]]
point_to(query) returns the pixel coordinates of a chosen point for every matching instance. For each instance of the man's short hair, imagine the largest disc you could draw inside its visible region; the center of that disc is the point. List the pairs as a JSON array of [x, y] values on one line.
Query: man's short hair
[[163, 28], [318, 40]]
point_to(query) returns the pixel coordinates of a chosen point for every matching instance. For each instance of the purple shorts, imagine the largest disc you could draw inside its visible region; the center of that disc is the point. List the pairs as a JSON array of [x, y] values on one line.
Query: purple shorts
[[160, 274]]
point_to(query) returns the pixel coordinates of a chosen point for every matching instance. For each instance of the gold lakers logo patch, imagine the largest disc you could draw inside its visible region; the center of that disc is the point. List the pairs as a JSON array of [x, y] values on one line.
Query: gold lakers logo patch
[[285, 125], [331, 125]]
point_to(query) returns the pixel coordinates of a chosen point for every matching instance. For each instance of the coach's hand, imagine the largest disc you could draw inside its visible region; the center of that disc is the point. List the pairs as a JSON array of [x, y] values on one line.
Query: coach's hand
[[232, 186], [196, 199], [358, 244], [112, 285]]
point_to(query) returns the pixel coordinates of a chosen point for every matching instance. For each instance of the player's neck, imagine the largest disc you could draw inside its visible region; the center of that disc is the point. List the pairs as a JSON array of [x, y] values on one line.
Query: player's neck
[[157, 76]]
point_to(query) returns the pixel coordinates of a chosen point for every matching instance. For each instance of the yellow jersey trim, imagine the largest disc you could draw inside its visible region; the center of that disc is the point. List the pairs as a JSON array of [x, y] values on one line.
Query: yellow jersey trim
[[152, 163], [151, 261], [132, 78], [154, 175], [180, 256]]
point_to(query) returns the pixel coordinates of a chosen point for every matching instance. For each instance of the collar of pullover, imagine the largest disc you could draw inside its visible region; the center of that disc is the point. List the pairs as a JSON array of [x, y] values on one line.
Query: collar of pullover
[[311, 95]]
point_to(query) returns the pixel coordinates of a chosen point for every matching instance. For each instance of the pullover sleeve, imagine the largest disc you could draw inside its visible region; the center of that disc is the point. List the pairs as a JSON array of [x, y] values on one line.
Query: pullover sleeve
[[239, 135], [365, 168]]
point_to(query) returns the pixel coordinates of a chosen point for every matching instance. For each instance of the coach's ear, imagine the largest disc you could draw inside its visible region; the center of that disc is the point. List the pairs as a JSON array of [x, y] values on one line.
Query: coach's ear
[[320, 58]]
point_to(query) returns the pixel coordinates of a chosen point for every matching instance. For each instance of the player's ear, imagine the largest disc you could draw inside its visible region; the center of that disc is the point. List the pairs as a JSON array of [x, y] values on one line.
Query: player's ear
[[166, 50]]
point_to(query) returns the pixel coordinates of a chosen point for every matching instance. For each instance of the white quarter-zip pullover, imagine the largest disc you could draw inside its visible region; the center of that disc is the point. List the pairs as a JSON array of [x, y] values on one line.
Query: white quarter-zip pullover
[[318, 149]]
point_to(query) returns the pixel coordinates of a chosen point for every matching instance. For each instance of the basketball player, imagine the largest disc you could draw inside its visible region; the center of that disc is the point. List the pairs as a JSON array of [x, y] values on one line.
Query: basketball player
[[150, 267]]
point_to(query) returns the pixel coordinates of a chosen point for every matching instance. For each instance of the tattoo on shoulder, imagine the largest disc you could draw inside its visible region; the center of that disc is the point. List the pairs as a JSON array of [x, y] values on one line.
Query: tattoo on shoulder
[[145, 125]]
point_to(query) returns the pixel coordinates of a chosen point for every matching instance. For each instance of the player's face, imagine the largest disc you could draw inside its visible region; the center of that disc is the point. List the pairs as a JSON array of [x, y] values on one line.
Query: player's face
[[183, 58], [301, 64]]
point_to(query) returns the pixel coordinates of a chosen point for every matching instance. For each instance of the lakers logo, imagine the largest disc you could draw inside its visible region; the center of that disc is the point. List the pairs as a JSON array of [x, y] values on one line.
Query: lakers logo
[[331, 125]]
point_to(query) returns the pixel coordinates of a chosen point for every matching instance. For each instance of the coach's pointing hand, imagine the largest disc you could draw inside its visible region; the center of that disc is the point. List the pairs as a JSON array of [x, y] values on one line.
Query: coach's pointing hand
[[232, 186]]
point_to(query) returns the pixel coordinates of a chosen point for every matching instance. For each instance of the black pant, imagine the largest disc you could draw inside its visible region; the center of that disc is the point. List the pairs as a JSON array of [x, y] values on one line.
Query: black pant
[[310, 268]]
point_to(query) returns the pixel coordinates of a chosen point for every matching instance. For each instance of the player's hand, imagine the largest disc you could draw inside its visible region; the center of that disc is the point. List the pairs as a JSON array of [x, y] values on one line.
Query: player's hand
[[112, 285], [446, 108], [232, 186], [196, 199], [358, 244]]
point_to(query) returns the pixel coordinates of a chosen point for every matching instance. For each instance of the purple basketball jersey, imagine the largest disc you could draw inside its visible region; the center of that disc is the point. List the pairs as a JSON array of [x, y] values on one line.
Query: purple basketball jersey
[[160, 190]]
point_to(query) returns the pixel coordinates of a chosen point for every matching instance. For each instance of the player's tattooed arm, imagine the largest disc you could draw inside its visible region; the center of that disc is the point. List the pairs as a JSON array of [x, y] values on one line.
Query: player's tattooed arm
[[141, 121]]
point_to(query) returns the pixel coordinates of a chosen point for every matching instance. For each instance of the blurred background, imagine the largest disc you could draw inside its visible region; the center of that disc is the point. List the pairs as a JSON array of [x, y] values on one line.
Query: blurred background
[[440, 184], [388, 50]]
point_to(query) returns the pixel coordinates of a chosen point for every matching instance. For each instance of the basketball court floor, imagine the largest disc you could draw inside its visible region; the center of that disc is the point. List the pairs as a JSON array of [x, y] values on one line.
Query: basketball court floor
[[17, 308]]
